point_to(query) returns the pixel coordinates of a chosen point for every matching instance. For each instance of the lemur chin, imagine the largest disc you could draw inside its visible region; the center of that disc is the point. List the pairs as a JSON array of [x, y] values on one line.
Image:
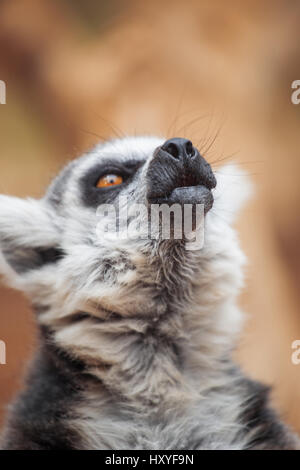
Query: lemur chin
[[136, 333]]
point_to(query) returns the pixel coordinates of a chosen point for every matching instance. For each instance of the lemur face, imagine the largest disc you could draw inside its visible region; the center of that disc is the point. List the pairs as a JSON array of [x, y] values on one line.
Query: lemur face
[[144, 171], [59, 251]]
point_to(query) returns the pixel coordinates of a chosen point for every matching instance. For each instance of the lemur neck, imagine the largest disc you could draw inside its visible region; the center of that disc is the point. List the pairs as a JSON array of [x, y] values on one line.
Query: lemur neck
[[183, 320], [145, 360]]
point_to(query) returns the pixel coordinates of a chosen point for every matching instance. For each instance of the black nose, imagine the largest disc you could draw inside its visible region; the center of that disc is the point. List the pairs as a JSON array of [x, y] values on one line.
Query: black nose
[[179, 148], [178, 166]]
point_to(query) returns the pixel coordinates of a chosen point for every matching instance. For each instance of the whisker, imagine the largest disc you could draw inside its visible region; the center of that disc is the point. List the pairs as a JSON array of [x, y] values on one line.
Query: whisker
[[222, 159], [213, 140], [174, 121], [191, 122], [94, 134], [116, 130]]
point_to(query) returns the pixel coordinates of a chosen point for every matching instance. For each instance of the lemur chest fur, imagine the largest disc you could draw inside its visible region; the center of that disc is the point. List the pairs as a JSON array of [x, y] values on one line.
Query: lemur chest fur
[[181, 419]]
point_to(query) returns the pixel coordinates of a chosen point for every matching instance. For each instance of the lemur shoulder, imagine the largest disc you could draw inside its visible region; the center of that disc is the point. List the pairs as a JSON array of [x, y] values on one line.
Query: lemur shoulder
[[136, 334]]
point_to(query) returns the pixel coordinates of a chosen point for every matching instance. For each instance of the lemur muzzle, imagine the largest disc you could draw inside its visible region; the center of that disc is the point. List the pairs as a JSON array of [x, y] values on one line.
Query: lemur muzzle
[[179, 174]]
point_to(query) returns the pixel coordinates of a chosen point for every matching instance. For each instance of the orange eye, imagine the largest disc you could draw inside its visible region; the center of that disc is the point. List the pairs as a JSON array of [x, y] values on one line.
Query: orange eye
[[109, 180]]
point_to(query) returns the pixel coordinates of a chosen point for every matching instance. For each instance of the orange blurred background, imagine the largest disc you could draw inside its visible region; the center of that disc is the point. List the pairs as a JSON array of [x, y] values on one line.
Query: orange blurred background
[[218, 73]]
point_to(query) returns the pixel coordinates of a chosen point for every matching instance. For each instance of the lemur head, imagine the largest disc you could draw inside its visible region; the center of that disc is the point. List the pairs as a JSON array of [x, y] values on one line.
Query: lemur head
[[64, 252]]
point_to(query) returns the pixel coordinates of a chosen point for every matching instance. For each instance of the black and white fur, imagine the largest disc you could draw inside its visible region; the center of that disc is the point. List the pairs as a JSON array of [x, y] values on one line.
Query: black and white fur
[[135, 335]]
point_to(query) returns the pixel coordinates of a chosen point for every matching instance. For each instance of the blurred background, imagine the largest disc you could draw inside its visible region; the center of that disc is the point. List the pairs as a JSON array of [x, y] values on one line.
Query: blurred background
[[218, 73]]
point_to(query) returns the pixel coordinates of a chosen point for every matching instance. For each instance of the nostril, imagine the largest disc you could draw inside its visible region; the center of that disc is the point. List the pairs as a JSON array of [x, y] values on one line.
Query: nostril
[[190, 151], [172, 149], [179, 148]]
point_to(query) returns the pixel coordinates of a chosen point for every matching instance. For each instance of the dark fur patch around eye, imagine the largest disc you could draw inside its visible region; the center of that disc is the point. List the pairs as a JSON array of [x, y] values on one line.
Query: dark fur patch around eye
[[91, 195], [23, 259]]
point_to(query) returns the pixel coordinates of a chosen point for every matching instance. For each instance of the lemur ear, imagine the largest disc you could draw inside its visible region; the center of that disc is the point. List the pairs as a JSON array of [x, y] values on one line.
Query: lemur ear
[[234, 188], [28, 237]]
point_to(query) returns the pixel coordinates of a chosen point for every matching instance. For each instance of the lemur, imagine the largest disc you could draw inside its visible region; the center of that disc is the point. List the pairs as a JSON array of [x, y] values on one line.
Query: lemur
[[135, 333]]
